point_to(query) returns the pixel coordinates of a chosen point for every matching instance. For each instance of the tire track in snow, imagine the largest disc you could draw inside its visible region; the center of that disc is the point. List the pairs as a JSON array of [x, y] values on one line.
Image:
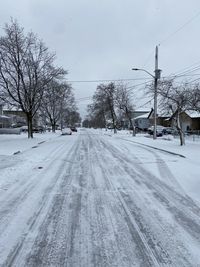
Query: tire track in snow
[[42, 206], [91, 218], [62, 235], [54, 242], [146, 252], [176, 203], [13, 198]]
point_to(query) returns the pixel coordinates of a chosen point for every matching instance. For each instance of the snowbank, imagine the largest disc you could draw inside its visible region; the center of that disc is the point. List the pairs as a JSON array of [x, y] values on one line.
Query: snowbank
[[10, 144]]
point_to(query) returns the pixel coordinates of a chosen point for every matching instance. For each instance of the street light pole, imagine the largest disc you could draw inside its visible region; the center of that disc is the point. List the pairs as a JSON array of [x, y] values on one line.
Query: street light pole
[[155, 94], [155, 77]]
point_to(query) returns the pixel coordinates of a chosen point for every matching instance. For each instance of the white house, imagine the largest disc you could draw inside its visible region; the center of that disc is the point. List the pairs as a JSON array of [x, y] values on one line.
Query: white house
[[142, 122]]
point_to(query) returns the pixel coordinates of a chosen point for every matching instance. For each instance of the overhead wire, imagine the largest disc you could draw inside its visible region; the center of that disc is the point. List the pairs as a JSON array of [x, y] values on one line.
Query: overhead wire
[[191, 68], [107, 80], [143, 105], [183, 73], [187, 68], [180, 28], [186, 72]]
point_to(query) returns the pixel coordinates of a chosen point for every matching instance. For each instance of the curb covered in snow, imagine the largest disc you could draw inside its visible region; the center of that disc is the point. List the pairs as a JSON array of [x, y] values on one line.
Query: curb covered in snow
[[18, 152], [160, 149]]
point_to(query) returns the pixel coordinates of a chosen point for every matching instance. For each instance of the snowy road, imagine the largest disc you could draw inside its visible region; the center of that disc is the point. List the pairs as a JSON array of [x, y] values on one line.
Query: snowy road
[[93, 200]]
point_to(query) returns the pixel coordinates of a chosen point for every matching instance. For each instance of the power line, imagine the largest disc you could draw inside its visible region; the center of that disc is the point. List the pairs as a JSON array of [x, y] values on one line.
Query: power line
[[194, 80], [149, 101], [148, 58], [130, 88], [180, 76], [113, 80], [180, 28], [84, 98], [188, 71], [187, 68]]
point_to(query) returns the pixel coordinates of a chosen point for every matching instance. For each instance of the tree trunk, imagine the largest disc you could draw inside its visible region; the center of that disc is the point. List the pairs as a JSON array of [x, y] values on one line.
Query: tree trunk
[[114, 120], [181, 134], [61, 124], [29, 118], [132, 126], [104, 121], [131, 122], [53, 126]]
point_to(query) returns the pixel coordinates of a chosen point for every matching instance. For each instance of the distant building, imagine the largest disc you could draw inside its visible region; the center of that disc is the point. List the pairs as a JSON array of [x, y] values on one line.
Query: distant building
[[138, 112], [18, 117], [5, 121], [142, 122], [163, 119], [189, 120]]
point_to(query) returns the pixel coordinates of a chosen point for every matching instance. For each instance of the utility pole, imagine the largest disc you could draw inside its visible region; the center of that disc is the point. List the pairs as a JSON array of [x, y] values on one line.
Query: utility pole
[[156, 77]]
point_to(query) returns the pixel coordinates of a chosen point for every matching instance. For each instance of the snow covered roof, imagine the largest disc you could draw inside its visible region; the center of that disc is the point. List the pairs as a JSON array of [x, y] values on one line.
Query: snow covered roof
[[143, 110], [193, 114], [145, 116], [4, 117]]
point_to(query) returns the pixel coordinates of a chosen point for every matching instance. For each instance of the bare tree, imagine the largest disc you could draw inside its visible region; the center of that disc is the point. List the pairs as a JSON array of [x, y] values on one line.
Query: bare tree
[[26, 68], [194, 97], [96, 116], [70, 114], [123, 101], [174, 99], [72, 117], [55, 100], [87, 123], [104, 99], [97, 111]]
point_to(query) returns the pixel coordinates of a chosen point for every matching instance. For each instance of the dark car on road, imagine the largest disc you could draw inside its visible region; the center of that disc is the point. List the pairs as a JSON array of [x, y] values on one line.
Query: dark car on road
[[74, 129], [159, 130]]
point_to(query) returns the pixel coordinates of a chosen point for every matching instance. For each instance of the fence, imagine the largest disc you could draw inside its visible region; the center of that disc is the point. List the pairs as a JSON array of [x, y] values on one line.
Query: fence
[[193, 135]]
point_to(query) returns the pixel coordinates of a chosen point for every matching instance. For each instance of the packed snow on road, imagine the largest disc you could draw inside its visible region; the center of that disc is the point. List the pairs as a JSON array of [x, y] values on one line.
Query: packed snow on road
[[98, 199]]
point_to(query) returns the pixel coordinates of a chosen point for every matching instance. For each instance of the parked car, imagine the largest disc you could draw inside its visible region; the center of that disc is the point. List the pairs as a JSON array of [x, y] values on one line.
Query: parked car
[[159, 130], [24, 129], [38, 129], [73, 129], [168, 130], [66, 131]]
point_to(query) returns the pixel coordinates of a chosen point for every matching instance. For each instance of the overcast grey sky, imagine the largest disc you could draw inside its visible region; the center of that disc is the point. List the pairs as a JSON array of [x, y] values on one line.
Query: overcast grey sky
[[104, 39]]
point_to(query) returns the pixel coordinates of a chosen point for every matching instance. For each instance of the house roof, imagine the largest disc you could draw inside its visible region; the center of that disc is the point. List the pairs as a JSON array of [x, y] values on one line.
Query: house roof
[[145, 116], [193, 114], [159, 114], [143, 110], [4, 117]]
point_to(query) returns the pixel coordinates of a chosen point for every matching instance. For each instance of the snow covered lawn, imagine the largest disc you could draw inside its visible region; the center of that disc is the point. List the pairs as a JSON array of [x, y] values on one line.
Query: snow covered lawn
[[12, 143]]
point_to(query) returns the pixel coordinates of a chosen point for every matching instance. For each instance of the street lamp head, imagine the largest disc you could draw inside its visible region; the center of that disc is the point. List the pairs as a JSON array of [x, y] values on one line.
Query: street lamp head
[[144, 71]]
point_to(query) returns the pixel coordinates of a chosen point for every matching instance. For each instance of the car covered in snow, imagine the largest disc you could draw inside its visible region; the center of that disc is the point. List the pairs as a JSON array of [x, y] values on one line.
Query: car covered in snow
[[66, 131]]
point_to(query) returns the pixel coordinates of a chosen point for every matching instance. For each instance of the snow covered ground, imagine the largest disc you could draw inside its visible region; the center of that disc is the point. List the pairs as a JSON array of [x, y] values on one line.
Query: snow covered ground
[[98, 199], [186, 171], [11, 143]]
